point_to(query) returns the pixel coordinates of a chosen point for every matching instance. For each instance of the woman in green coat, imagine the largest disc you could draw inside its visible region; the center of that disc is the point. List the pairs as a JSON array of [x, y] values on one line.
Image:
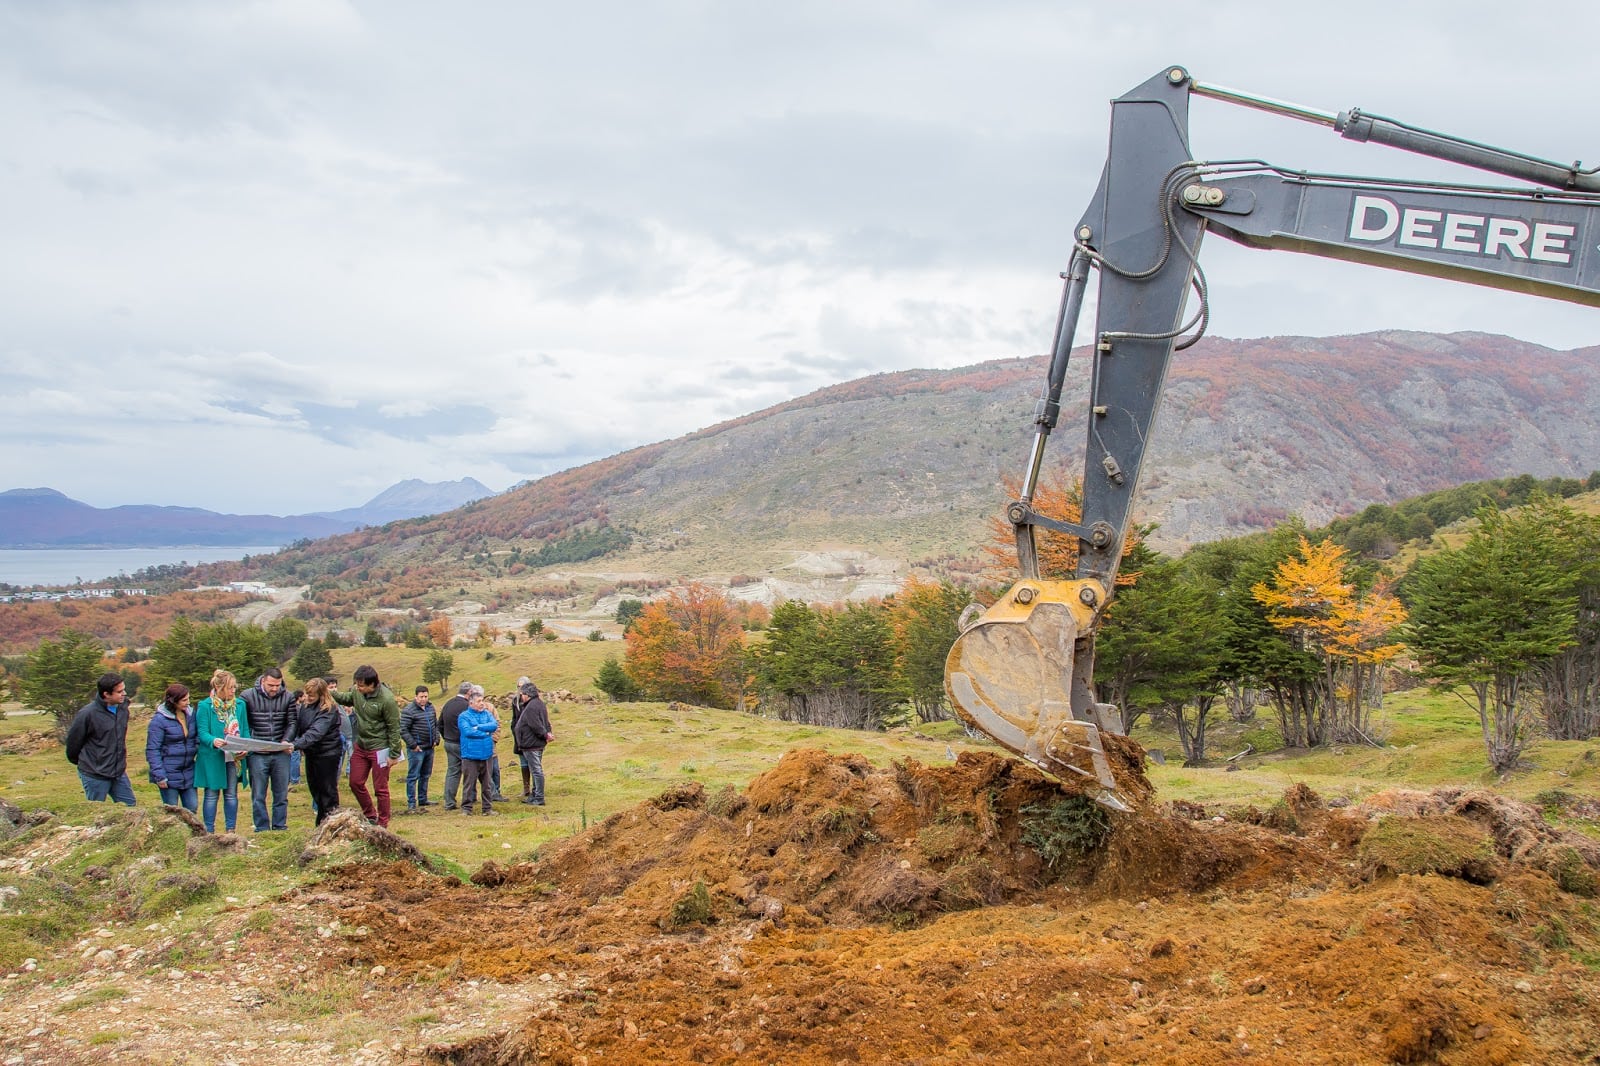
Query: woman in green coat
[[221, 714]]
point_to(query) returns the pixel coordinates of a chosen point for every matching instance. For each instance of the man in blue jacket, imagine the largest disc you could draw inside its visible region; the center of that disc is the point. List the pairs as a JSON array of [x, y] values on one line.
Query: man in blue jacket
[[97, 742], [478, 727]]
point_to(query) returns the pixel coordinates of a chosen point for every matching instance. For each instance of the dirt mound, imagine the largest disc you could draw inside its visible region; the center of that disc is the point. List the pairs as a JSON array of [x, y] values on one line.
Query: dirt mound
[[833, 911], [824, 838], [347, 827]]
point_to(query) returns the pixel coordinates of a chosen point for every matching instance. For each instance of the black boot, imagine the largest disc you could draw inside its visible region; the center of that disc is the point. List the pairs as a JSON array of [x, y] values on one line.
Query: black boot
[[525, 775]]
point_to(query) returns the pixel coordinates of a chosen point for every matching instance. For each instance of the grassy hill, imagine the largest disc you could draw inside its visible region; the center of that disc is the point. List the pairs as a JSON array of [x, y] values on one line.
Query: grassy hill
[[907, 467]]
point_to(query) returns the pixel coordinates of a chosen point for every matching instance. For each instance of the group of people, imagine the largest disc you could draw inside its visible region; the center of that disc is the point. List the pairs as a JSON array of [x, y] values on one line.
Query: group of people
[[467, 727], [200, 753]]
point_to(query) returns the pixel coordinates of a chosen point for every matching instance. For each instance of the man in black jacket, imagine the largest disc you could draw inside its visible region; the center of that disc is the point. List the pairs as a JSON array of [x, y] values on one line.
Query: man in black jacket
[[532, 732], [450, 734], [419, 728], [270, 707], [97, 742]]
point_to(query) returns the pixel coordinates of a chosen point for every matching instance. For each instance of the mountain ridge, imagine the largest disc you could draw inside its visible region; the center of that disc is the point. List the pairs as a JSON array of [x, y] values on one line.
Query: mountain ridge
[[43, 517], [909, 465]]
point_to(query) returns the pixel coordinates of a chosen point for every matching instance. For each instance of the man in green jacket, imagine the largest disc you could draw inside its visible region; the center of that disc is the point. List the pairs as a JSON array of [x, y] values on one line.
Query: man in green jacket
[[377, 741]]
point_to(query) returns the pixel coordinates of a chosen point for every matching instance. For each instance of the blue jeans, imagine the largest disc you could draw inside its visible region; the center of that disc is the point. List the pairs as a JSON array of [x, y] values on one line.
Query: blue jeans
[[98, 788], [269, 768], [230, 803], [419, 767], [187, 798], [294, 767]]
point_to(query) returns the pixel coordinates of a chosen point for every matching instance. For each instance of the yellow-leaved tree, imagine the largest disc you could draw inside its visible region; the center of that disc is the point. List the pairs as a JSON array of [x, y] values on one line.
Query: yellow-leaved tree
[[1311, 599]]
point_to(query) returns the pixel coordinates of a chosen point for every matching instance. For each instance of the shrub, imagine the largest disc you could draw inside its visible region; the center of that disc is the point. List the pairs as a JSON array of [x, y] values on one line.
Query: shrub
[[1072, 829], [691, 908]]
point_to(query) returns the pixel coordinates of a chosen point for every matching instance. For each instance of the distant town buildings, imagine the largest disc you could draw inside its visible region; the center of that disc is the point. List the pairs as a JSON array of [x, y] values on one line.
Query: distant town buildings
[[249, 588], [71, 594]]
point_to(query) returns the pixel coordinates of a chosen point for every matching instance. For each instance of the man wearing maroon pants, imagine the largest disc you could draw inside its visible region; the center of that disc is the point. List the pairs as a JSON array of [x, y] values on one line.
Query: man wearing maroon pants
[[377, 744]]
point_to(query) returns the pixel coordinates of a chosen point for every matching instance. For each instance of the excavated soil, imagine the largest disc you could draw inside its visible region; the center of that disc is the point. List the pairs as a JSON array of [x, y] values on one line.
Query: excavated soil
[[834, 912]]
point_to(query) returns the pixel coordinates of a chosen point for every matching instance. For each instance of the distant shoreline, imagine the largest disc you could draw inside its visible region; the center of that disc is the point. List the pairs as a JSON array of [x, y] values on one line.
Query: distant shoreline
[[249, 549], [56, 566]]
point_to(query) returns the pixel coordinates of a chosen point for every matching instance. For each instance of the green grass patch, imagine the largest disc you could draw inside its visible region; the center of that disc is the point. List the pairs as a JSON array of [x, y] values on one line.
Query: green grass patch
[[1453, 847], [92, 998]]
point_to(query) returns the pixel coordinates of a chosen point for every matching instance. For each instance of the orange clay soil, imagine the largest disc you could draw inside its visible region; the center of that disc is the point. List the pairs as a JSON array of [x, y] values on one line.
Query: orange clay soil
[[836, 912]]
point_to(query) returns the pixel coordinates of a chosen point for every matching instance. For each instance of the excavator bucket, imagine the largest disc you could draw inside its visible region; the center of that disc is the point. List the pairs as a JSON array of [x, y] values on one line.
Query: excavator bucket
[[1009, 675]]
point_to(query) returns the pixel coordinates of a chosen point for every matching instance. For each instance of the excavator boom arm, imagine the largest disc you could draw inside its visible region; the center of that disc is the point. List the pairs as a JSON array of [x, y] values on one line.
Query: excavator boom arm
[[1023, 672]]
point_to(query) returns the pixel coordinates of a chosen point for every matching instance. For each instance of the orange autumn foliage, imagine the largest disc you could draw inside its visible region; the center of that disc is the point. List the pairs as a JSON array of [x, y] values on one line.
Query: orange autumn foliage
[[121, 621], [688, 645], [1058, 552]]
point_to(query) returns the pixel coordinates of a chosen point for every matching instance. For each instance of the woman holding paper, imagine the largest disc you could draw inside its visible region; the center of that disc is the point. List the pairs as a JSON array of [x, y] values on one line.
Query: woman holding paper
[[217, 772]]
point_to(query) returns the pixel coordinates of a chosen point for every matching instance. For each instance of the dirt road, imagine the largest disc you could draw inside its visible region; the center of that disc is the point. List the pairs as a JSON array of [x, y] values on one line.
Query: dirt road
[[280, 603]]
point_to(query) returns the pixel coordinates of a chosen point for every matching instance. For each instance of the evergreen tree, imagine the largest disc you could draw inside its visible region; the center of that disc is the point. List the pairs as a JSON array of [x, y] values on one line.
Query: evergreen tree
[[1161, 647], [284, 637], [1484, 614], [627, 611], [179, 657], [311, 659], [188, 654], [924, 617], [60, 676], [834, 668], [437, 668], [785, 663], [614, 681]]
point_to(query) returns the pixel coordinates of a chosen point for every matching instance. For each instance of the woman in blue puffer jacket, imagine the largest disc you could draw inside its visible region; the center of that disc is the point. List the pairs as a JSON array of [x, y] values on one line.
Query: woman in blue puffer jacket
[[170, 746]]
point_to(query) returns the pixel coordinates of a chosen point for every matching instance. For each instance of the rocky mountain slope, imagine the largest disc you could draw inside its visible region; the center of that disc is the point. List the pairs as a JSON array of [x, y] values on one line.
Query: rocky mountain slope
[[910, 465]]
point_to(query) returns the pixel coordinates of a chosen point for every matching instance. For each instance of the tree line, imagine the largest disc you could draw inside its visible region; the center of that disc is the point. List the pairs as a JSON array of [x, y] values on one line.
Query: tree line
[[1506, 614], [860, 665]]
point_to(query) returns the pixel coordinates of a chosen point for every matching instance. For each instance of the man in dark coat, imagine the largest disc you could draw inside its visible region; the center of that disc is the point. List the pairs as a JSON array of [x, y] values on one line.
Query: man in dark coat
[[519, 702], [531, 733], [419, 728], [450, 736], [97, 742], [271, 709]]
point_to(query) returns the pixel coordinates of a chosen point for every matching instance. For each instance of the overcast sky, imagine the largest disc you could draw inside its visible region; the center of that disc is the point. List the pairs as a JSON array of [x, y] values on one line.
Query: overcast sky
[[274, 257]]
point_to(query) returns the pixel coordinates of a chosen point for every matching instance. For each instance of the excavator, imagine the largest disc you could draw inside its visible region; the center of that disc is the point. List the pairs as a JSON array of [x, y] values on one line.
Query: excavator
[[1022, 672]]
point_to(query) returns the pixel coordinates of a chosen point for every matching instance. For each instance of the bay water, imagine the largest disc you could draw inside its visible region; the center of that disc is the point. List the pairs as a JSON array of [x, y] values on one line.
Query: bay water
[[65, 566]]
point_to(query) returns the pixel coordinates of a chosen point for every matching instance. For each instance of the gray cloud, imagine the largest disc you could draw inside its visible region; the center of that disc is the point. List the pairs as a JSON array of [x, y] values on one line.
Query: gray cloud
[[308, 228]]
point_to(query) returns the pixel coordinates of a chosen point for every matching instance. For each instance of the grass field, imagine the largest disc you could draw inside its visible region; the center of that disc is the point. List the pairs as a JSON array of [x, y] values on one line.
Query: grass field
[[568, 664]]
